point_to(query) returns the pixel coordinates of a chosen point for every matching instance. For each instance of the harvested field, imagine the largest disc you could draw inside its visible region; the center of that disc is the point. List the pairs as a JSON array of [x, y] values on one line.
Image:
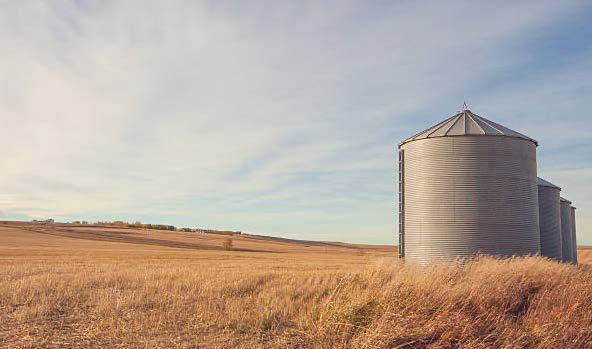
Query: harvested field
[[585, 255], [78, 287]]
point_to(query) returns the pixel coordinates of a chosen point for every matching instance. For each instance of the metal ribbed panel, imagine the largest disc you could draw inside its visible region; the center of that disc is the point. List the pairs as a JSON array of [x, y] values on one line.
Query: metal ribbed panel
[[566, 232], [470, 194], [573, 235], [550, 221]]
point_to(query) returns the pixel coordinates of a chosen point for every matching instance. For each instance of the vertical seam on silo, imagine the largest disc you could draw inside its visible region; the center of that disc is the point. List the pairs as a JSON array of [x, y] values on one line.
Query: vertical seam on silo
[[401, 204], [452, 150], [496, 213]]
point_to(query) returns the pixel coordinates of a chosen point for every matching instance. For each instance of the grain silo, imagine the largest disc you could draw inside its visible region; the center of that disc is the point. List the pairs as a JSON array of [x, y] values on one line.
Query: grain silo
[[467, 186], [549, 219], [574, 239], [566, 232]]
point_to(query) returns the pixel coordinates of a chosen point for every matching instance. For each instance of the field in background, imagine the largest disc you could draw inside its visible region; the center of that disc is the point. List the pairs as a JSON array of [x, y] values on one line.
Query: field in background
[[585, 254], [81, 286]]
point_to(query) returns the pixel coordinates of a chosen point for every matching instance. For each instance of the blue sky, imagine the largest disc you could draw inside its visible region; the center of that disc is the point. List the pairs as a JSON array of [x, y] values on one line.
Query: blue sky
[[278, 117]]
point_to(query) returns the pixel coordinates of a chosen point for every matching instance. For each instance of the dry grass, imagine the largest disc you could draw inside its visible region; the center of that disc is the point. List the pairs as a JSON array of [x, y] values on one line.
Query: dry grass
[[58, 291]]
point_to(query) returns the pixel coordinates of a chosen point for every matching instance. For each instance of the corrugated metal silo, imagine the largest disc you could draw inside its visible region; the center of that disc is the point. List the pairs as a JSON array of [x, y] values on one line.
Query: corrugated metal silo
[[549, 219], [573, 235], [566, 232], [468, 186]]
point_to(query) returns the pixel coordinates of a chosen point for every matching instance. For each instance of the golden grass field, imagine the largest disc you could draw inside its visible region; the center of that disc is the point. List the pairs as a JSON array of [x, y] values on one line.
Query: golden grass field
[[65, 286]]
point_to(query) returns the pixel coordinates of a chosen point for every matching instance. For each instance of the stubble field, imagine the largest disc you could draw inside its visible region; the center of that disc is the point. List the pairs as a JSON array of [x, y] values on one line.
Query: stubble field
[[67, 286]]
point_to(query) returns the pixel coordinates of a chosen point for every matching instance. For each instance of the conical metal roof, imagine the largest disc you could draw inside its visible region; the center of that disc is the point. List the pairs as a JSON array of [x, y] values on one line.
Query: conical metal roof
[[543, 183], [564, 200], [467, 123]]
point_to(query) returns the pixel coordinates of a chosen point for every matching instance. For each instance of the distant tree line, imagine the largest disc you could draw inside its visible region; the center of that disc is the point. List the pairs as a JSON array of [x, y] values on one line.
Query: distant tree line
[[141, 225], [49, 220], [138, 224], [210, 231]]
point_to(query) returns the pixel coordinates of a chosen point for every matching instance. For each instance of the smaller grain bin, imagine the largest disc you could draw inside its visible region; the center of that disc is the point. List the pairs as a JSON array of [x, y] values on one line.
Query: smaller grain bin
[[566, 232], [549, 219], [573, 234]]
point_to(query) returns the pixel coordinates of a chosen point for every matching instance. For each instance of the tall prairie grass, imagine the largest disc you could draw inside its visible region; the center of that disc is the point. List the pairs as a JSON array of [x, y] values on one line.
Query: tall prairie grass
[[178, 303]]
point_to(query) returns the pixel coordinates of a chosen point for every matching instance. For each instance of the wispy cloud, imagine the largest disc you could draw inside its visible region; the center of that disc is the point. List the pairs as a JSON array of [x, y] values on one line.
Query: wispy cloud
[[278, 117]]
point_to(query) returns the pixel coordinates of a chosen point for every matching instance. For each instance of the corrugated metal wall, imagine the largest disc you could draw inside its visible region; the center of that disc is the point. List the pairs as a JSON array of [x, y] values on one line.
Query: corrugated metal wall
[[573, 235], [566, 232], [469, 194], [550, 221]]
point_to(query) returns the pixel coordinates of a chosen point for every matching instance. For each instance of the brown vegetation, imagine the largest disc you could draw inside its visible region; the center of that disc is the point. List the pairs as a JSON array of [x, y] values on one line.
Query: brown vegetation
[[227, 244], [60, 290]]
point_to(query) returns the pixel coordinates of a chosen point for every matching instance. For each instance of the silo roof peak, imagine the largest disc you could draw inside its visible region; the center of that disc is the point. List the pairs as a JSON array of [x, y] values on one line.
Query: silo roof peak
[[467, 123], [543, 183]]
